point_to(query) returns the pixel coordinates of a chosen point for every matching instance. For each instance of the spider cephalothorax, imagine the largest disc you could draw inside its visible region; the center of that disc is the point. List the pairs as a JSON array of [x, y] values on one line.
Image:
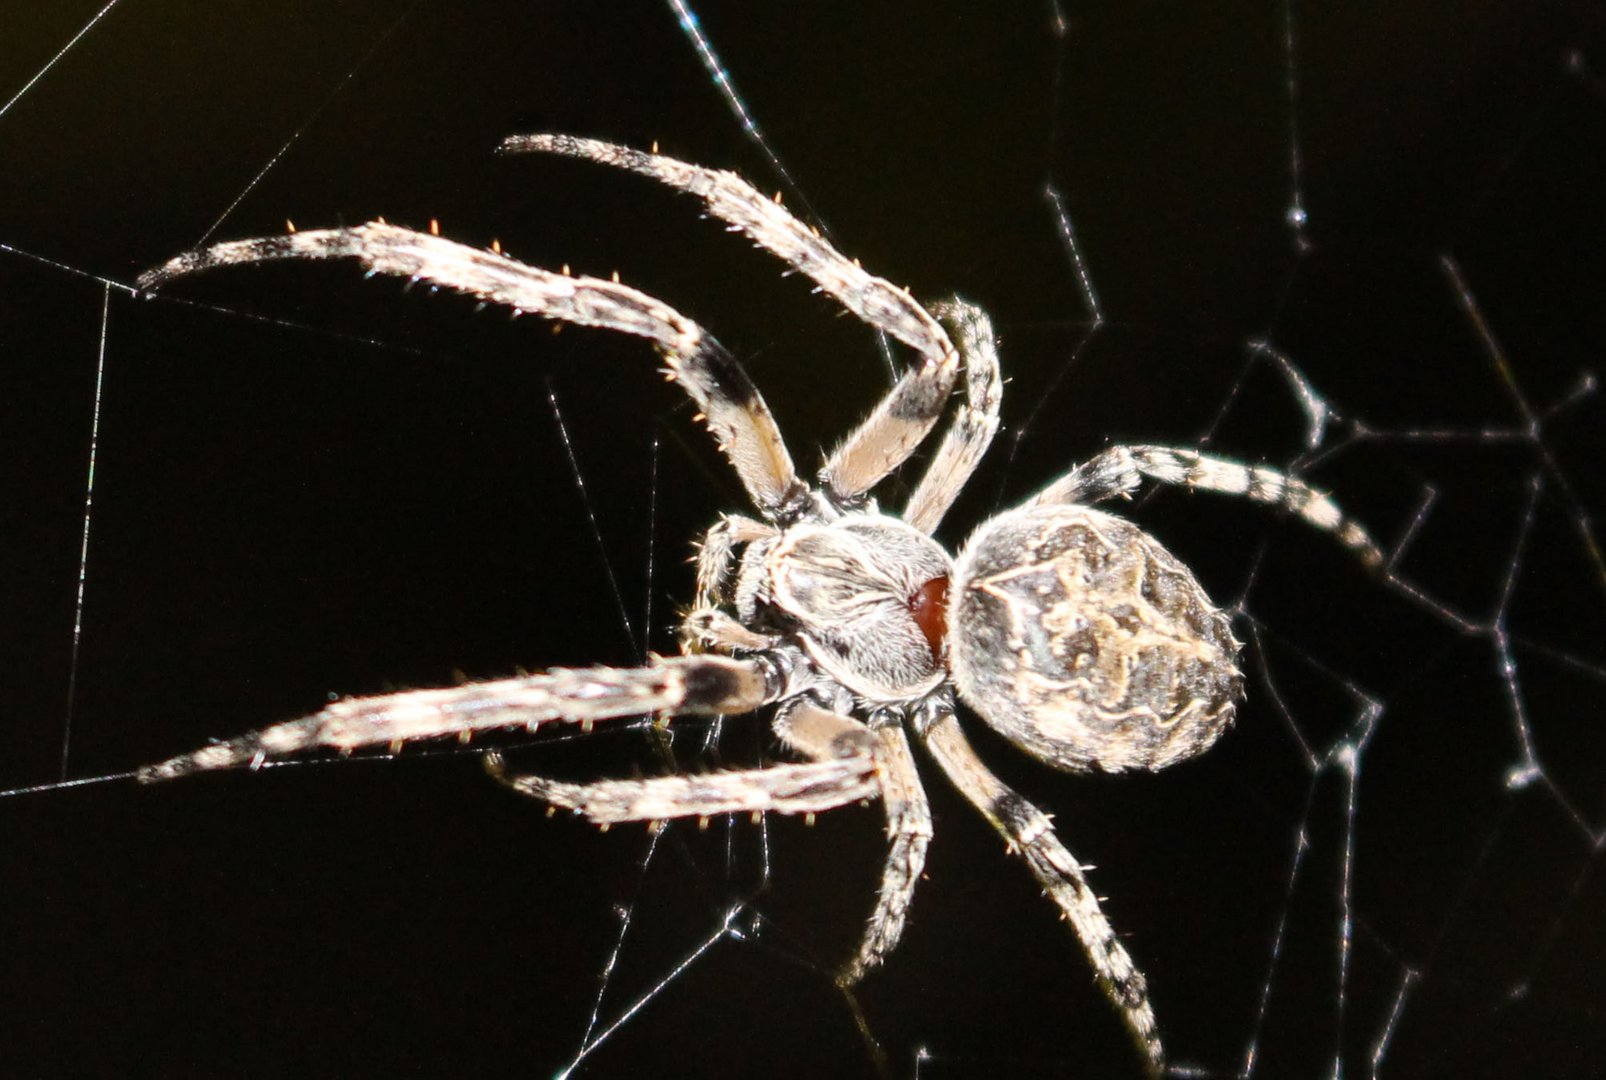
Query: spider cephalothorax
[[1067, 629], [851, 590]]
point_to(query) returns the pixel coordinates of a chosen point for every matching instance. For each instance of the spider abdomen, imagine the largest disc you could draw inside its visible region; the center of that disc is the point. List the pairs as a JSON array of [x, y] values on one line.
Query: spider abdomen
[[1081, 639]]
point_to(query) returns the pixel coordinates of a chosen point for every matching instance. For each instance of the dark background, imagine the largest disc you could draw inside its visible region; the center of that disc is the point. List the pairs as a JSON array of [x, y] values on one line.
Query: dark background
[[309, 484]]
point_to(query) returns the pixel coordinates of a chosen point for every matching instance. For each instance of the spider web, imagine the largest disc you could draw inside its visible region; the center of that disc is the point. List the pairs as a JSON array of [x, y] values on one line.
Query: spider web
[[1364, 244]]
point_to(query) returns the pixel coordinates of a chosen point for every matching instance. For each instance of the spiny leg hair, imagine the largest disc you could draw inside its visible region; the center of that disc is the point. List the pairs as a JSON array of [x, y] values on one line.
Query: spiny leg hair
[[732, 406], [679, 685], [1028, 832], [903, 418], [1119, 471]]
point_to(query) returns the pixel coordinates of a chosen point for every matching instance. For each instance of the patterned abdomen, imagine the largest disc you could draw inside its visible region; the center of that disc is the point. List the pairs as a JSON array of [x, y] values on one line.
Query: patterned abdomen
[[1081, 639]]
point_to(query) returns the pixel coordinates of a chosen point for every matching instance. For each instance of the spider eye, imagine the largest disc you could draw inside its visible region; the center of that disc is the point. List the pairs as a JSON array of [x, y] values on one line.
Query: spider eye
[[929, 606]]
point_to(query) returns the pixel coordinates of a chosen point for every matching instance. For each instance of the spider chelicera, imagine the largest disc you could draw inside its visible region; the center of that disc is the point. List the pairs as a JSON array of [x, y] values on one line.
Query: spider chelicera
[[1067, 629]]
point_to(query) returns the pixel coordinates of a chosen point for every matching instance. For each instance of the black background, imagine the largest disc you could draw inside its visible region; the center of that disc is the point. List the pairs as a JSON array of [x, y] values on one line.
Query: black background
[[311, 484]]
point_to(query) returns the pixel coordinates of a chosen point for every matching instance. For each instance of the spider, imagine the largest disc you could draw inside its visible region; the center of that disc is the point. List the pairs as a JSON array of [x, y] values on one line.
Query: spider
[[1065, 628]]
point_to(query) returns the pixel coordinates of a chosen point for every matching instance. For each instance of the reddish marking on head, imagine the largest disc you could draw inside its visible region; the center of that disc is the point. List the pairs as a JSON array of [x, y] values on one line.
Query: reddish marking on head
[[929, 606]]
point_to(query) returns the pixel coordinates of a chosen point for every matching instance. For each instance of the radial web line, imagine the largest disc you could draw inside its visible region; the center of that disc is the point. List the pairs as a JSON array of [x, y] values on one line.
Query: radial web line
[[306, 125], [83, 545], [725, 930], [591, 517], [63, 51]]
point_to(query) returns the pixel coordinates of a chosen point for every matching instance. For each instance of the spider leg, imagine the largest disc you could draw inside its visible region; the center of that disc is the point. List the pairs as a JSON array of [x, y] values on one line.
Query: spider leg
[[1029, 833], [844, 767], [825, 735], [886, 438], [682, 685], [732, 406], [1120, 469], [909, 830], [974, 424], [790, 788]]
